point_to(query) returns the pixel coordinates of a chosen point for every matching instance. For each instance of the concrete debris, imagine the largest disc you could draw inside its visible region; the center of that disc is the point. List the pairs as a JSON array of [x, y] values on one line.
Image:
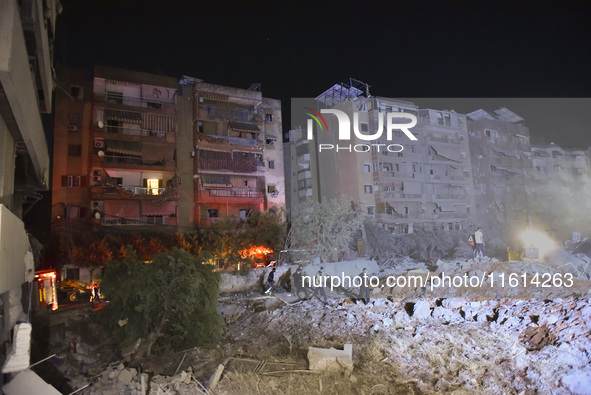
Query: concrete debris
[[331, 358], [19, 356]]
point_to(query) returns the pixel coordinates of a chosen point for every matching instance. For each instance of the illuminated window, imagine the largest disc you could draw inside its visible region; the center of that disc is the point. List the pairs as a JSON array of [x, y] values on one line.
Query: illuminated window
[[153, 186]]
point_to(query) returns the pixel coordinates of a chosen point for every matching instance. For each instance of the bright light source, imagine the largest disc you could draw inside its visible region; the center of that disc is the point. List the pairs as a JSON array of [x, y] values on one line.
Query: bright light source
[[539, 240]]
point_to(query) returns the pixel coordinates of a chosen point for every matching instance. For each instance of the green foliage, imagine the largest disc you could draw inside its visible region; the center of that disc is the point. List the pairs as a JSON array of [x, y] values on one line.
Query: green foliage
[[170, 303], [324, 229]]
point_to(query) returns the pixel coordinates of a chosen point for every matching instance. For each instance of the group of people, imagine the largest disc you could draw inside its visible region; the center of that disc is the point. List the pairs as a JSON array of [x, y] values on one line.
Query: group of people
[[298, 288]]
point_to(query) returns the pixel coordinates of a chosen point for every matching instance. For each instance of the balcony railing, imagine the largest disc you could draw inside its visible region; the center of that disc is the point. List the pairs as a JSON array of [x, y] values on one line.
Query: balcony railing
[[155, 220], [143, 190], [235, 193]]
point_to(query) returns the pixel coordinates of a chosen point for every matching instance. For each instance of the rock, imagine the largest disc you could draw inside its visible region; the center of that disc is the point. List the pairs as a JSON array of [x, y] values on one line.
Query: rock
[[126, 376], [330, 358], [387, 322], [453, 303], [401, 319], [442, 313], [421, 310], [578, 381]]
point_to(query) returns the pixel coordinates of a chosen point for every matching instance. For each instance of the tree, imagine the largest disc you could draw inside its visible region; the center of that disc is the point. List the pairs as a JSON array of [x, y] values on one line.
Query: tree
[[170, 303], [91, 255], [324, 229]]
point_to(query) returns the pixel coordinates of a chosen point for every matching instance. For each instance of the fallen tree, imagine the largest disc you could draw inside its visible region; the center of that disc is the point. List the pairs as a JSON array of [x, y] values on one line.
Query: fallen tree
[[168, 304]]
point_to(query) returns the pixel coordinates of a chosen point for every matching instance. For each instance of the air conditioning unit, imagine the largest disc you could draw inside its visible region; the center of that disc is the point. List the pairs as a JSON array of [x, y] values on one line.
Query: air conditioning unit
[[99, 143], [96, 206]]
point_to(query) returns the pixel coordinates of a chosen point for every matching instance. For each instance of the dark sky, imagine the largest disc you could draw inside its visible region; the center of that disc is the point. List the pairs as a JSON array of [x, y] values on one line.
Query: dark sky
[[413, 49]]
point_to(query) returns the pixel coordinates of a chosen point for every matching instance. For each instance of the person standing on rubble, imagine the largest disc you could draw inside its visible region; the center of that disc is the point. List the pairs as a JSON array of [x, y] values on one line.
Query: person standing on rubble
[[270, 281], [319, 285], [297, 283], [479, 241], [364, 288]]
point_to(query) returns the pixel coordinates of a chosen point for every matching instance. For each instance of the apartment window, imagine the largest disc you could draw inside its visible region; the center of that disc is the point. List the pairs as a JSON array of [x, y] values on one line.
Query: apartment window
[[115, 97], [74, 122], [154, 220], [74, 150], [75, 91], [244, 213], [112, 126], [271, 164], [153, 184], [400, 155], [212, 213], [154, 105], [241, 114], [447, 119], [73, 181], [370, 210], [270, 141], [364, 127], [271, 188], [366, 168], [211, 110], [269, 117], [368, 189]]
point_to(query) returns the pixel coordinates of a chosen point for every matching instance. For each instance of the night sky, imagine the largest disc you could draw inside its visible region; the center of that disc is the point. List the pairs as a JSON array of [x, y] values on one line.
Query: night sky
[[418, 49]]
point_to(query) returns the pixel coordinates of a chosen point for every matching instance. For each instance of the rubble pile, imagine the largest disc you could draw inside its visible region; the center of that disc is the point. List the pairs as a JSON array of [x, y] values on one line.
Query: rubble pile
[[505, 346]]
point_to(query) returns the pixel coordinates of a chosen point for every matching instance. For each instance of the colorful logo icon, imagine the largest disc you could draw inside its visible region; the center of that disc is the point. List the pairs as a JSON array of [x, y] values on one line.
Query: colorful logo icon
[[315, 116]]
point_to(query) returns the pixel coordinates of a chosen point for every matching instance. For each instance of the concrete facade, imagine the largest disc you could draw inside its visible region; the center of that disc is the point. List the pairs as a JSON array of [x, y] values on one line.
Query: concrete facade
[[27, 30]]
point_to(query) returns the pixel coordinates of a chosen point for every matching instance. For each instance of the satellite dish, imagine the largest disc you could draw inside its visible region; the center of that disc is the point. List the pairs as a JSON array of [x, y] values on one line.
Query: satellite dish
[[101, 124]]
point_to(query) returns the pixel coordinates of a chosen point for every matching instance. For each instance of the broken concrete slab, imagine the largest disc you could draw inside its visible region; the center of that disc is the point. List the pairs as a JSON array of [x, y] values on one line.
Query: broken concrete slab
[[330, 358], [27, 382]]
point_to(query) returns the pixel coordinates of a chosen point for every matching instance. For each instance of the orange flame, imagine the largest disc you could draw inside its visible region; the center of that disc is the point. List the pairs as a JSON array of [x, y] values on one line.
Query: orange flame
[[255, 251]]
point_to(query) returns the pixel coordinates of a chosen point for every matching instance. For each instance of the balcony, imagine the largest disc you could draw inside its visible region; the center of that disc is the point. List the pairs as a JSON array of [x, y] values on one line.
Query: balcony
[[118, 99], [214, 113]]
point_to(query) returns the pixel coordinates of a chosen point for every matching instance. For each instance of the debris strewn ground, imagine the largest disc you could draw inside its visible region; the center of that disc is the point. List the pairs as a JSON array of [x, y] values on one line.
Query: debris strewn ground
[[403, 341]]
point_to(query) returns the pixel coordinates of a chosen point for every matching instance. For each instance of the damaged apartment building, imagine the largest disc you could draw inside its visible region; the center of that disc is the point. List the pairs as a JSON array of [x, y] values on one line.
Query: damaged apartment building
[[462, 170], [137, 151], [402, 184], [500, 154]]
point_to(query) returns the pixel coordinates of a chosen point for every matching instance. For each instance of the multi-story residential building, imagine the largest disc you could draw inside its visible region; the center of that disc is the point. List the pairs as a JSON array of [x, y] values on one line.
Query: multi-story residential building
[[556, 187], [26, 89], [238, 153], [139, 151], [499, 146], [114, 150], [401, 184]]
